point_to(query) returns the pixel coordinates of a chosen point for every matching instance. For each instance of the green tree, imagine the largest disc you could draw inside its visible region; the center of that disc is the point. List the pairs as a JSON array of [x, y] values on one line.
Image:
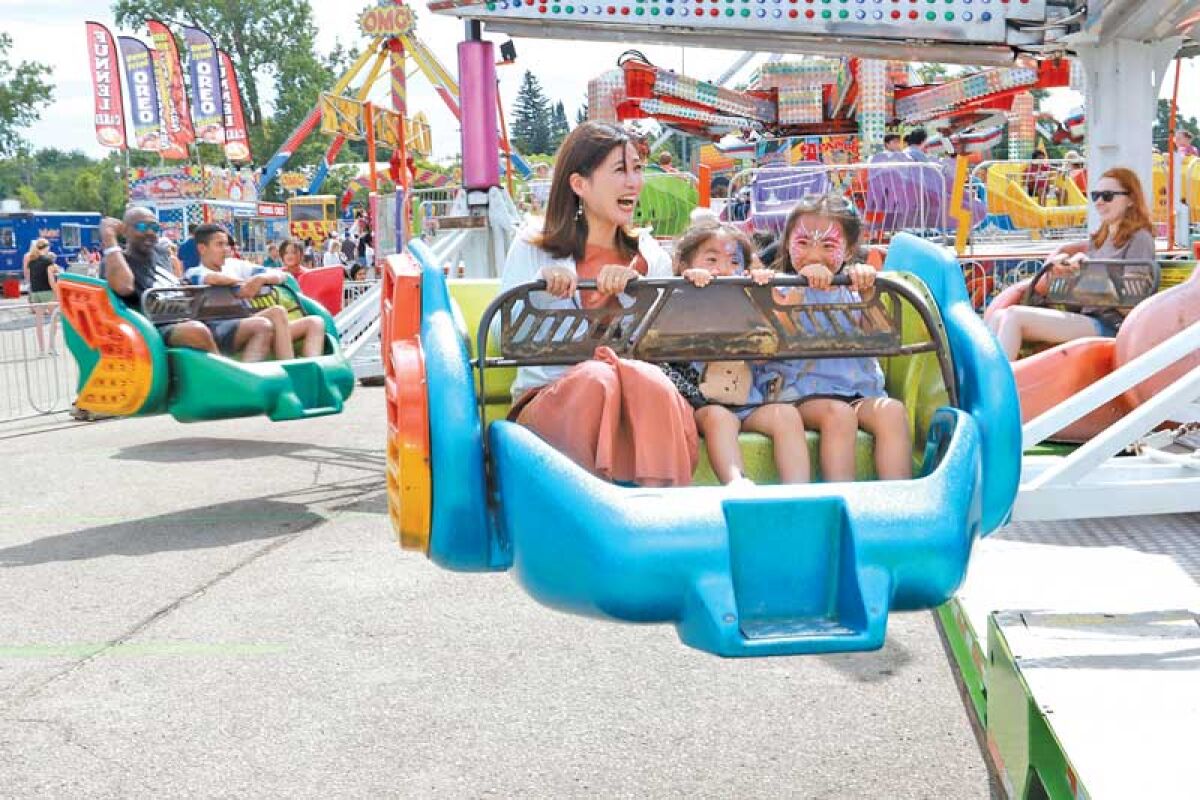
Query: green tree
[[531, 125], [87, 189], [55, 180], [581, 116], [23, 90], [28, 198], [339, 180], [16, 172], [558, 126]]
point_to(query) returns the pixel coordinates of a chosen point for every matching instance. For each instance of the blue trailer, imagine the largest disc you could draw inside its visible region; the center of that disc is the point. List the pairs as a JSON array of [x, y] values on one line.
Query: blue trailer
[[67, 232]]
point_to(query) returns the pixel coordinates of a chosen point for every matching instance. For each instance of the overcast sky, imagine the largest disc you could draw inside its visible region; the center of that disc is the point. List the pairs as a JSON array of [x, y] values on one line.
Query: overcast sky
[[52, 32]]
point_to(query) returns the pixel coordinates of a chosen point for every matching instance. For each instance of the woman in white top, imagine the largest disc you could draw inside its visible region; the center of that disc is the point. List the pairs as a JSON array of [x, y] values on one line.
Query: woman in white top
[[333, 254], [622, 420]]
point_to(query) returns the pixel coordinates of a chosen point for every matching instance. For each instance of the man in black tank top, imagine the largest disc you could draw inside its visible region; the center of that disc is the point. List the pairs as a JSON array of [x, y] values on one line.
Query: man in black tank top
[[143, 265]]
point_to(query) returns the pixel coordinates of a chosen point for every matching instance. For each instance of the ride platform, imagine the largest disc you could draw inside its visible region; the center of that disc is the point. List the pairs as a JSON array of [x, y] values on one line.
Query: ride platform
[[1078, 645]]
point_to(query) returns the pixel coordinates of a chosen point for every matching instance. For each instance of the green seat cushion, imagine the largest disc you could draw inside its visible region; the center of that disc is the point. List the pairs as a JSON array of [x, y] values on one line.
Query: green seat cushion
[[471, 297]]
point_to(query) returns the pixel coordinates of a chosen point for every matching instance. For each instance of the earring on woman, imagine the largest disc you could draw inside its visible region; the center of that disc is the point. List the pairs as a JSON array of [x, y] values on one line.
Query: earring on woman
[[579, 211]]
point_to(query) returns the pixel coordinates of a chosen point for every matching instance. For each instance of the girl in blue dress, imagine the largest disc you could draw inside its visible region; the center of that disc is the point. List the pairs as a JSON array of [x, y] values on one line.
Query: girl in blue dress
[[836, 396]]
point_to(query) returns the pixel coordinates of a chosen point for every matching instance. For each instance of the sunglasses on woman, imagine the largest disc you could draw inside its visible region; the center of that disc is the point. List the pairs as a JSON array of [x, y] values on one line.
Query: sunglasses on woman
[[1106, 196]]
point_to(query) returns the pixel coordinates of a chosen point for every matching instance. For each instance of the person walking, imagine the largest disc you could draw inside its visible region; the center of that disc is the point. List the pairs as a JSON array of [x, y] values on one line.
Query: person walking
[[41, 274]]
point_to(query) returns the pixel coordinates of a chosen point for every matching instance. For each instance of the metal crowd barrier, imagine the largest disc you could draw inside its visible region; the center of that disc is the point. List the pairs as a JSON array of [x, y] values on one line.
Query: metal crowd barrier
[[37, 374], [890, 194], [352, 290], [1026, 200]]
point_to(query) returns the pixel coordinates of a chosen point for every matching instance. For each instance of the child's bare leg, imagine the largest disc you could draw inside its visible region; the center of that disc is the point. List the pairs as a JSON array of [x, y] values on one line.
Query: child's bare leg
[[886, 419], [719, 427], [280, 332], [312, 331], [784, 425], [836, 422]]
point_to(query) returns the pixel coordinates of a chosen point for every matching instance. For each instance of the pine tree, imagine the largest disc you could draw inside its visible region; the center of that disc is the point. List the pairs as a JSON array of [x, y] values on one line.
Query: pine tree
[[581, 116], [531, 128], [558, 125]]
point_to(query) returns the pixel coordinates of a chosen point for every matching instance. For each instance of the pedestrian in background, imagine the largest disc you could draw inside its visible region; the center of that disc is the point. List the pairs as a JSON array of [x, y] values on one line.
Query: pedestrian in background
[[41, 274]]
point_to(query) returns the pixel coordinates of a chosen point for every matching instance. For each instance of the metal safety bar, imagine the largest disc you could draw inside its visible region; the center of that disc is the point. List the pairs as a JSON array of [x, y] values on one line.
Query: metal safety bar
[[168, 305], [1099, 283], [669, 319]]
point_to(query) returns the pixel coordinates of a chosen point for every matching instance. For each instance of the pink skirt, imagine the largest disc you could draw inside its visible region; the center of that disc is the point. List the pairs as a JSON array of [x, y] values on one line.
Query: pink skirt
[[621, 420]]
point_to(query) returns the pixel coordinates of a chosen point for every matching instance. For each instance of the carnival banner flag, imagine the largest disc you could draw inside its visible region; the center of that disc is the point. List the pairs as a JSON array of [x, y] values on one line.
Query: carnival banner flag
[[143, 95], [237, 141], [177, 122], [106, 86], [208, 102]]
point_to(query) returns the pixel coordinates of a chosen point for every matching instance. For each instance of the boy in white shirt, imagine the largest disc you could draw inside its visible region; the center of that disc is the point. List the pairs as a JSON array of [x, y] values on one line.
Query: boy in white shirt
[[216, 268]]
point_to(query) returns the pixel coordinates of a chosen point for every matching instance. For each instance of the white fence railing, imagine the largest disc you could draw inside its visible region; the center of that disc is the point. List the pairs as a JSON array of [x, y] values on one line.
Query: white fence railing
[[352, 290], [358, 321], [37, 374]]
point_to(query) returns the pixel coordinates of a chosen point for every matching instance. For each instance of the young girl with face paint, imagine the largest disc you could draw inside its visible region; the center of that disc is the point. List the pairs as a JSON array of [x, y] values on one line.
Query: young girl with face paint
[[836, 396], [709, 250]]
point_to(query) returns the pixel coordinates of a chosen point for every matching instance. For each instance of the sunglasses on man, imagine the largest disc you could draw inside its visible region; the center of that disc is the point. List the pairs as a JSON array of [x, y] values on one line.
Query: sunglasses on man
[[1106, 196], [146, 227]]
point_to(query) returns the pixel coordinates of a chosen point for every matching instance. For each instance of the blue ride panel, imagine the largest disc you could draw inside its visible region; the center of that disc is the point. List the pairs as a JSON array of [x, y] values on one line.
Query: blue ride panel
[[461, 531], [767, 570], [987, 388]]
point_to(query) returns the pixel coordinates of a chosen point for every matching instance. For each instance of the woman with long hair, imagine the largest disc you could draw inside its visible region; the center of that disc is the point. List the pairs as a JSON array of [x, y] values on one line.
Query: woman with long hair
[[1125, 234], [622, 420], [41, 274]]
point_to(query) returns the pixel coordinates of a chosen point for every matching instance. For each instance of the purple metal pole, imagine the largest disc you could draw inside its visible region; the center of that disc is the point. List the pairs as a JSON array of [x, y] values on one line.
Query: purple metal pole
[[480, 133]]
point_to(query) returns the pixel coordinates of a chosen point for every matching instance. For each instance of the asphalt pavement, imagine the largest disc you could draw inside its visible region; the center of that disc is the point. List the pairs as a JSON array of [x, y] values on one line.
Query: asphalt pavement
[[220, 610]]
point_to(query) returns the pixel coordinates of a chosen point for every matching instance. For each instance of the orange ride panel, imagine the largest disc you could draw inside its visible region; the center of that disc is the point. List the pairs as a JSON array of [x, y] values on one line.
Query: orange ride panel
[[121, 380], [1048, 378], [409, 482]]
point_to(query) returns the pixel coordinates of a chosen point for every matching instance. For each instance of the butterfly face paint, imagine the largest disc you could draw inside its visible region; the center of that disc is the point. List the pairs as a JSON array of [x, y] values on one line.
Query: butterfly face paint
[[720, 255], [817, 239], [735, 255]]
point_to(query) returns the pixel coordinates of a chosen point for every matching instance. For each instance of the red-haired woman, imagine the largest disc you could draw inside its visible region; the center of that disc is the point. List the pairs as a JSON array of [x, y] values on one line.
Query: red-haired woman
[[1125, 234], [622, 420]]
